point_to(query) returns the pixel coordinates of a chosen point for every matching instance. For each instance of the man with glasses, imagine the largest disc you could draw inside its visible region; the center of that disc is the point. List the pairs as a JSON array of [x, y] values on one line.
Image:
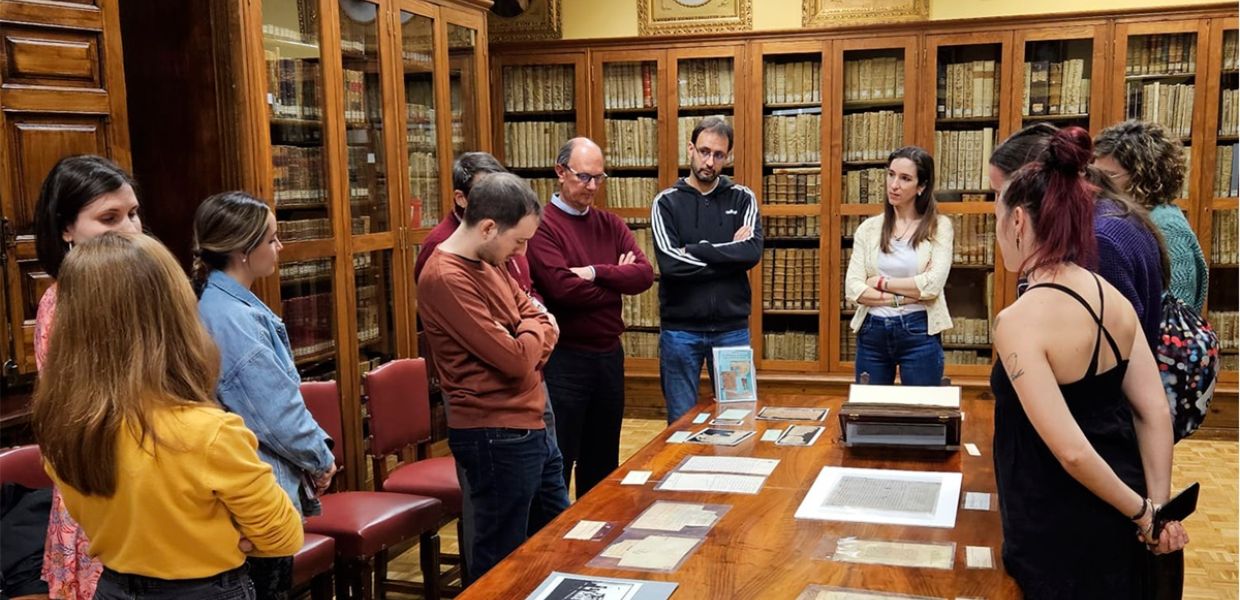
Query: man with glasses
[[583, 261], [707, 236]]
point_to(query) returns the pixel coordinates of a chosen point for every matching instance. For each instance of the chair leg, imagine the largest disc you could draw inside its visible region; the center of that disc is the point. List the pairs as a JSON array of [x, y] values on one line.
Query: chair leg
[[460, 543], [366, 577], [429, 550], [344, 579], [381, 565], [321, 587]]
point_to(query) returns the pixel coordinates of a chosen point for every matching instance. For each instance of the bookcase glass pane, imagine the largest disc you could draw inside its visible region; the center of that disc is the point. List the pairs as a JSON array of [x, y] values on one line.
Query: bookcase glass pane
[[1057, 75], [363, 116], [295, 110], [376, 329], [630, 136], [966, 121], [1222, 303], [847, 308], [462, 82], [704, 87], [970, 290], [417, 65], [306, 307], [1160, 80], [539, 116], [1228, 151], [873, 121], [792, 129]]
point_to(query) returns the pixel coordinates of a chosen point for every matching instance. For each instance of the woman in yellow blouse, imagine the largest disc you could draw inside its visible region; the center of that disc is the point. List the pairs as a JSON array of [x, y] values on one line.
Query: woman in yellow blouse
[[899, 266], [163, 481]]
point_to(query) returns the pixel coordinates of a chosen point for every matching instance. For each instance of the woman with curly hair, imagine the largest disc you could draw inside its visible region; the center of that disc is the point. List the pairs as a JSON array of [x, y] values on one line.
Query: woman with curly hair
[[1146, 161]]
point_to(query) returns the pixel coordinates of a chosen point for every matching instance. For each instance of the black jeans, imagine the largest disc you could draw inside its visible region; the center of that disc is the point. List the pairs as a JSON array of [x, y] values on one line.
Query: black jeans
[[229, 585], [272, 577], [587, 393]]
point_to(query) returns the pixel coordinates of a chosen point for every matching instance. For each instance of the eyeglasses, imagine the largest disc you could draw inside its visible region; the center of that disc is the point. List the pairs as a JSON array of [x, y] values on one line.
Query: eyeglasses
[[705, 154], [586, 178]]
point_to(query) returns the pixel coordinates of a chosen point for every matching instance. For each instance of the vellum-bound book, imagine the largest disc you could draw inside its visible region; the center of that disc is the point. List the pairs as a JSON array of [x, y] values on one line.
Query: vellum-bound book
[[902, 416]]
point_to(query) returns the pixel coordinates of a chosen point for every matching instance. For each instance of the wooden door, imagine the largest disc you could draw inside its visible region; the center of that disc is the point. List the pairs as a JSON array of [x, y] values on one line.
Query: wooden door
[[62, 92]]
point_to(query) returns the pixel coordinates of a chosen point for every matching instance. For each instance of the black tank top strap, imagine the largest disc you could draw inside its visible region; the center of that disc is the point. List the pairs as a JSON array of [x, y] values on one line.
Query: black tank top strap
[[1097, 316]]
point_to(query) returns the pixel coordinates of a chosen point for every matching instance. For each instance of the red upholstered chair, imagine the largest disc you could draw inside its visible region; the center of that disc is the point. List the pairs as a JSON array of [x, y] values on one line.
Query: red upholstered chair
[[312, 567], [365, 525], [24, 465], [398, 398]]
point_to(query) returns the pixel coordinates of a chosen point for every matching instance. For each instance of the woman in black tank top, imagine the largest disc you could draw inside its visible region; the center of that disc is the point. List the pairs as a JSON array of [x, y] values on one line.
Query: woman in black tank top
[[1082, 439]]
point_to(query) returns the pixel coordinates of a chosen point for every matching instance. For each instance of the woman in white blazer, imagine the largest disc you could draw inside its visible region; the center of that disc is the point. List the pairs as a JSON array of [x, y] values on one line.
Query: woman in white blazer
[[899, 266]]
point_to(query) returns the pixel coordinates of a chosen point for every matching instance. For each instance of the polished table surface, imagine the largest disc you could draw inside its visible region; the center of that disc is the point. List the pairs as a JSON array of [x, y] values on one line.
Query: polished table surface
[[758, 549]]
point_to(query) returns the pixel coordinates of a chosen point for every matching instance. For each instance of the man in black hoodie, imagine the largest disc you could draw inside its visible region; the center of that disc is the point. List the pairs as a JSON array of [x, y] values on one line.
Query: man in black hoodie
[[707, 236]]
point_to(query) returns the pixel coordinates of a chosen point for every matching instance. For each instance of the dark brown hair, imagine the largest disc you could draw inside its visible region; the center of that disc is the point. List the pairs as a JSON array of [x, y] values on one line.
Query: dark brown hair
[[927, 207], [73, 182]]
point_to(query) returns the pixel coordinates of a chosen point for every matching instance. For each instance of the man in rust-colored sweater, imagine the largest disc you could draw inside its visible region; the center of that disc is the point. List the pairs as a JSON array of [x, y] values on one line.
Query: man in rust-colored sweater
[[584, 260], [489, 340]]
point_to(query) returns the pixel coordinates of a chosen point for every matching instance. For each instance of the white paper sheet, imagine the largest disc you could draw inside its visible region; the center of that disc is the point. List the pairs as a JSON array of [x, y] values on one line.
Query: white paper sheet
[[701, 418], [733, 413], [976, 501], [972, 450], [585, 530], [618, 549], [792, 413], [824, 502], [893, 553], [636, 478], [978, 557], [660, 552], [946, 395], [712, 482], [674, 516], [742, 465], [771, 435], [679, 437]]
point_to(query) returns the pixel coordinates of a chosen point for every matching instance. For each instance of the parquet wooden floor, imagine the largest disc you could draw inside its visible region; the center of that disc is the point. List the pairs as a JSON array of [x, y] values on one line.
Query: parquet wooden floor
[[1210, 560]]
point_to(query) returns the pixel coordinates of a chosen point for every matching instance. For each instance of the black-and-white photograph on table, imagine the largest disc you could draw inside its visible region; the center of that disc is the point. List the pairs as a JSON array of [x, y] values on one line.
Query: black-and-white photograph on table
[[568, 586]]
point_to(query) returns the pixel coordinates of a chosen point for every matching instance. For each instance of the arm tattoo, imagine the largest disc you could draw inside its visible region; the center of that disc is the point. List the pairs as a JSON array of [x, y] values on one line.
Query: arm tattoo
[[1014, 371]]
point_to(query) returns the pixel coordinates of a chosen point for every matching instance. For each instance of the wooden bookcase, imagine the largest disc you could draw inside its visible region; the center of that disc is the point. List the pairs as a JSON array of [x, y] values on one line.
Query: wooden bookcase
[[1089, 47]]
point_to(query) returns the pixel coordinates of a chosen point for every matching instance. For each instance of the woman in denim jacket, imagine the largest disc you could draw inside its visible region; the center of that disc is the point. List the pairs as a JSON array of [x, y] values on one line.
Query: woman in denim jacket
[[235, 244]]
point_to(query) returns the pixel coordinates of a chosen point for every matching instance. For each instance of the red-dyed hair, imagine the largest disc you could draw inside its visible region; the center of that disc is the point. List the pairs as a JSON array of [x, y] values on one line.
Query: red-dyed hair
[[1054, 192]]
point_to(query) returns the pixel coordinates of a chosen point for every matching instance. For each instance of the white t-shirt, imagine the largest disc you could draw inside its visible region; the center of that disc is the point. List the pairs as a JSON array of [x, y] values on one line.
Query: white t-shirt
[[899, 263]]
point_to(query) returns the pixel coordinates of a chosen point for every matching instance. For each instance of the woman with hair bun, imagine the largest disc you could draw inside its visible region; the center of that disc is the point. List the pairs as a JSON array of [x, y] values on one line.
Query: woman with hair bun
[[1082, 434]]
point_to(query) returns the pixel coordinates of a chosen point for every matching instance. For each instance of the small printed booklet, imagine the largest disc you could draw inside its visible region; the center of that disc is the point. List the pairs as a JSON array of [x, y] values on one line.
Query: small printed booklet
[[735, 378], [720, 437]]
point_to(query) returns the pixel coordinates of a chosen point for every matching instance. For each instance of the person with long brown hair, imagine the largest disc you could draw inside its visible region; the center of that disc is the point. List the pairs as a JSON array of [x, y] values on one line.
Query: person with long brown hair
[[235, 243], [1082, 437], [162, 479], [899, 266], [82, 197]]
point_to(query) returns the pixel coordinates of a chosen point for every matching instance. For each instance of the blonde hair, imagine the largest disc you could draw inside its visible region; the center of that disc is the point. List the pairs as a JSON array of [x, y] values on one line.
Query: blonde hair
[[126, 341], [225, 223]]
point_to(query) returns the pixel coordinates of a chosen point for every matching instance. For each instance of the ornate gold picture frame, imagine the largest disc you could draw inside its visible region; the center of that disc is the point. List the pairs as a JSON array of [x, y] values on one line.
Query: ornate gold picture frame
[[671, 17], [541, 21], [841, 13]]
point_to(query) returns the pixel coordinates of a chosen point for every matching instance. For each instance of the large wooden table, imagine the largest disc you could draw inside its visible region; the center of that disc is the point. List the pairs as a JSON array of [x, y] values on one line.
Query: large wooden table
[[758, 549]]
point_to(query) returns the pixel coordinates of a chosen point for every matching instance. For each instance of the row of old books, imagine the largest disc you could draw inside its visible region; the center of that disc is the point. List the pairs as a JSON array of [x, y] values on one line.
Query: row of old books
[[644, 239], [967, 330], [1170, 104], [968, 89], [535, 88], [865, 186], [846, 304], [304, 229], [790, 345], [790, 278], [1231, 50], [685, 126], [849, 225], [298, 177], [848, 342], [1229, 362], [965, 357], [1225, 172], [792, 82], [793, 138], [1162, 54], [630, 85], [782, 226], [423, 178], [640, 344], [1223, 250], [974, 242], [368, 306], [1056, 88], [872, 135], [309, 322], [544, 187], [309, 271], [1228, 121], [961, 159], [1227, 324], [355, 37], [534, 144], [641, 310], [632, 142], [798, 185], [307, 24], [880, 78], [293, 86], [357, 96], [361, 225], [631, 192], [705, 82], [1188, 168]]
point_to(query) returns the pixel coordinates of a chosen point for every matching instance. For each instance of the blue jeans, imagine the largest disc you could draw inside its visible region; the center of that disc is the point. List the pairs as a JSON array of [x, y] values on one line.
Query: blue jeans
[[883, 343], [229, 585], [680, 364], [513, 474]]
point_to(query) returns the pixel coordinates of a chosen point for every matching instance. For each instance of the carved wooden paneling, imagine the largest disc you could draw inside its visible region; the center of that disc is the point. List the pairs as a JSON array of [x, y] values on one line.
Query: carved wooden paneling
[[45, 57]]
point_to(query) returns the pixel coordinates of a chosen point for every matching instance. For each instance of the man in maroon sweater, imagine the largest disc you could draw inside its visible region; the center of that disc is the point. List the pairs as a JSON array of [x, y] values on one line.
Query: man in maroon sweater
[[583, 260], [489, 341]]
